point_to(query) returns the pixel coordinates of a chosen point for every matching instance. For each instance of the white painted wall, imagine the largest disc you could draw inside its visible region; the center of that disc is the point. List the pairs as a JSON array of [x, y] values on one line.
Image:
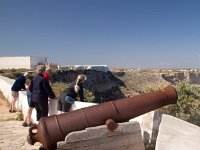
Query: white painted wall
[[148, 121], [103, 68], [16, 62], [176, 134], [22, 103], [187, 135], [149, 124]]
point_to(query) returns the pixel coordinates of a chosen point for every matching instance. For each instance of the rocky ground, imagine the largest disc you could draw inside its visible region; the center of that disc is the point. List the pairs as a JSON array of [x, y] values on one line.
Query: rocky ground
[[12, 133]]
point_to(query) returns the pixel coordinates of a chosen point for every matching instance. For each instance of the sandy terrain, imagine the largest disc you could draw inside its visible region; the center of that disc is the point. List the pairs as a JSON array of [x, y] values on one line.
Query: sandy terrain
[[12, 133]]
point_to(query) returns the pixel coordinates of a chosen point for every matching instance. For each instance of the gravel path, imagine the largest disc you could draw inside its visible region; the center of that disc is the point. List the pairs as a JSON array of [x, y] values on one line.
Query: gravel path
[[12, 133]]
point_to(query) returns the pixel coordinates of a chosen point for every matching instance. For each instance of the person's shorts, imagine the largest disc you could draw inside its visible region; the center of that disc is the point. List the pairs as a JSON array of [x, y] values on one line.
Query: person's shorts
[[15, 94], [62, 105], [29, 98]]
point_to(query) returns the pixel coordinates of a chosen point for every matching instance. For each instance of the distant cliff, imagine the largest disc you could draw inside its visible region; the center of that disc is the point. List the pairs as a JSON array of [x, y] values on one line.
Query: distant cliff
[[192, 77], [114, 85], [104, 86], [119, 84]]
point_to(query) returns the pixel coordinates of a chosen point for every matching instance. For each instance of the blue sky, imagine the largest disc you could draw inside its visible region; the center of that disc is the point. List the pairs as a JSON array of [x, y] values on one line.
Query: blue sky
[[119, 33]]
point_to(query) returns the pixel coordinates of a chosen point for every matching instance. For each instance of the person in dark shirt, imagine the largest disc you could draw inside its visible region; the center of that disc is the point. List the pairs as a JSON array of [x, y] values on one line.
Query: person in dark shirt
[[28, 122], [69, 95], [18, 85], [41, 90]]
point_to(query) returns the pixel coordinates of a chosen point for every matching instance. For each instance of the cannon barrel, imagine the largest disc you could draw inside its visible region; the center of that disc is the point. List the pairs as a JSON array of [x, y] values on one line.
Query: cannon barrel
[[52, 129]]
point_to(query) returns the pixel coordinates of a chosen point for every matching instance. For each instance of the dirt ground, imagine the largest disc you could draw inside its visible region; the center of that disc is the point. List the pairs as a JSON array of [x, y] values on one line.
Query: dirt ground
[[12, 133]]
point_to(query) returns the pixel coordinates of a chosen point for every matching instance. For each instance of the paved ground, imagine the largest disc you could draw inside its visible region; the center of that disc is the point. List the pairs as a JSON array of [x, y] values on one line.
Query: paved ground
[[12, 134]]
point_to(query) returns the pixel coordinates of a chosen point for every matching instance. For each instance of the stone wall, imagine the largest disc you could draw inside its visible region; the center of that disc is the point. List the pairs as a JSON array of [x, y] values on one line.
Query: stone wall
[[185, 135], [127, 136], [146, 120], [22, 103], [176, 134]]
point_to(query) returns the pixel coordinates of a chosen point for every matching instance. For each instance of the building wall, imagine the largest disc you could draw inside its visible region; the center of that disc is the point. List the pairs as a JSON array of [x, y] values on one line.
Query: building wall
[[100, 68], [16, 62], [34, 61], [103, 68]]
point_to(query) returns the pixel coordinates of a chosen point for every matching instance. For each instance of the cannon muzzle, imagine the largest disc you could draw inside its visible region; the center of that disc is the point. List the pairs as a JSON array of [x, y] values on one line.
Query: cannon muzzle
[[52, 129]]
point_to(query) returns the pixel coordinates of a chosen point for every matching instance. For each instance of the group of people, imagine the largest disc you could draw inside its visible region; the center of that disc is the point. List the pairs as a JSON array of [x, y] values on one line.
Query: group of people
[[39, 92]]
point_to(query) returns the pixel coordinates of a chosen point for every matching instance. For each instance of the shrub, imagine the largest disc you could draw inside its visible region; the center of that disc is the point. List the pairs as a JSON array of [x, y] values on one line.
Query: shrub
[[187, 107], [59, 87], [19, 117], [89, 97]]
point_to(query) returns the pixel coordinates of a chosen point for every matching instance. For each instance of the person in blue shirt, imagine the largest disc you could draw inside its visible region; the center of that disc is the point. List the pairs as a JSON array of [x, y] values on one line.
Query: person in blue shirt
[[18, 85], [69, 95]]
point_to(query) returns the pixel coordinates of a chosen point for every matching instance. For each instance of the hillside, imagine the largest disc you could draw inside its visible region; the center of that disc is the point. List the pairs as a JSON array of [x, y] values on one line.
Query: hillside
[[137, 82], [101, 87], [118, 84], [115, 85]]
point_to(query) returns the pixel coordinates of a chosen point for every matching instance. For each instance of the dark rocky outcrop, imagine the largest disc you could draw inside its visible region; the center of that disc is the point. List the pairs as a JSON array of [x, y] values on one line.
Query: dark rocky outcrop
[[114, 85], [104, 86]]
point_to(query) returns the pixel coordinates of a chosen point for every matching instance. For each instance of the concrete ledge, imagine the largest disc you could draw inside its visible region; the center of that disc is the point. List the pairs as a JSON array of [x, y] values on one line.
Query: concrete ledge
[[176, 134], [149, 124], [126, 136], [22, 103]]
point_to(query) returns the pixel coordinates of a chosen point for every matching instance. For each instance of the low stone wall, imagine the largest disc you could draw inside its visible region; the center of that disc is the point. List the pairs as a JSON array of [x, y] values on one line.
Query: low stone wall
[[185, 135], [149, 122], [176, 134], [127, 136], [22, 103]]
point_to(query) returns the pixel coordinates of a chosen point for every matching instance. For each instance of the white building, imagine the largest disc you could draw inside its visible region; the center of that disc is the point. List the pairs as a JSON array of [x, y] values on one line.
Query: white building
[[103, 68], [25, 62]]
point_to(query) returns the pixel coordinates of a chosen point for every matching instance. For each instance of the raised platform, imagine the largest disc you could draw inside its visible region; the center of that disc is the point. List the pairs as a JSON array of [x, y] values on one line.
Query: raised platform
[[127, 136]]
